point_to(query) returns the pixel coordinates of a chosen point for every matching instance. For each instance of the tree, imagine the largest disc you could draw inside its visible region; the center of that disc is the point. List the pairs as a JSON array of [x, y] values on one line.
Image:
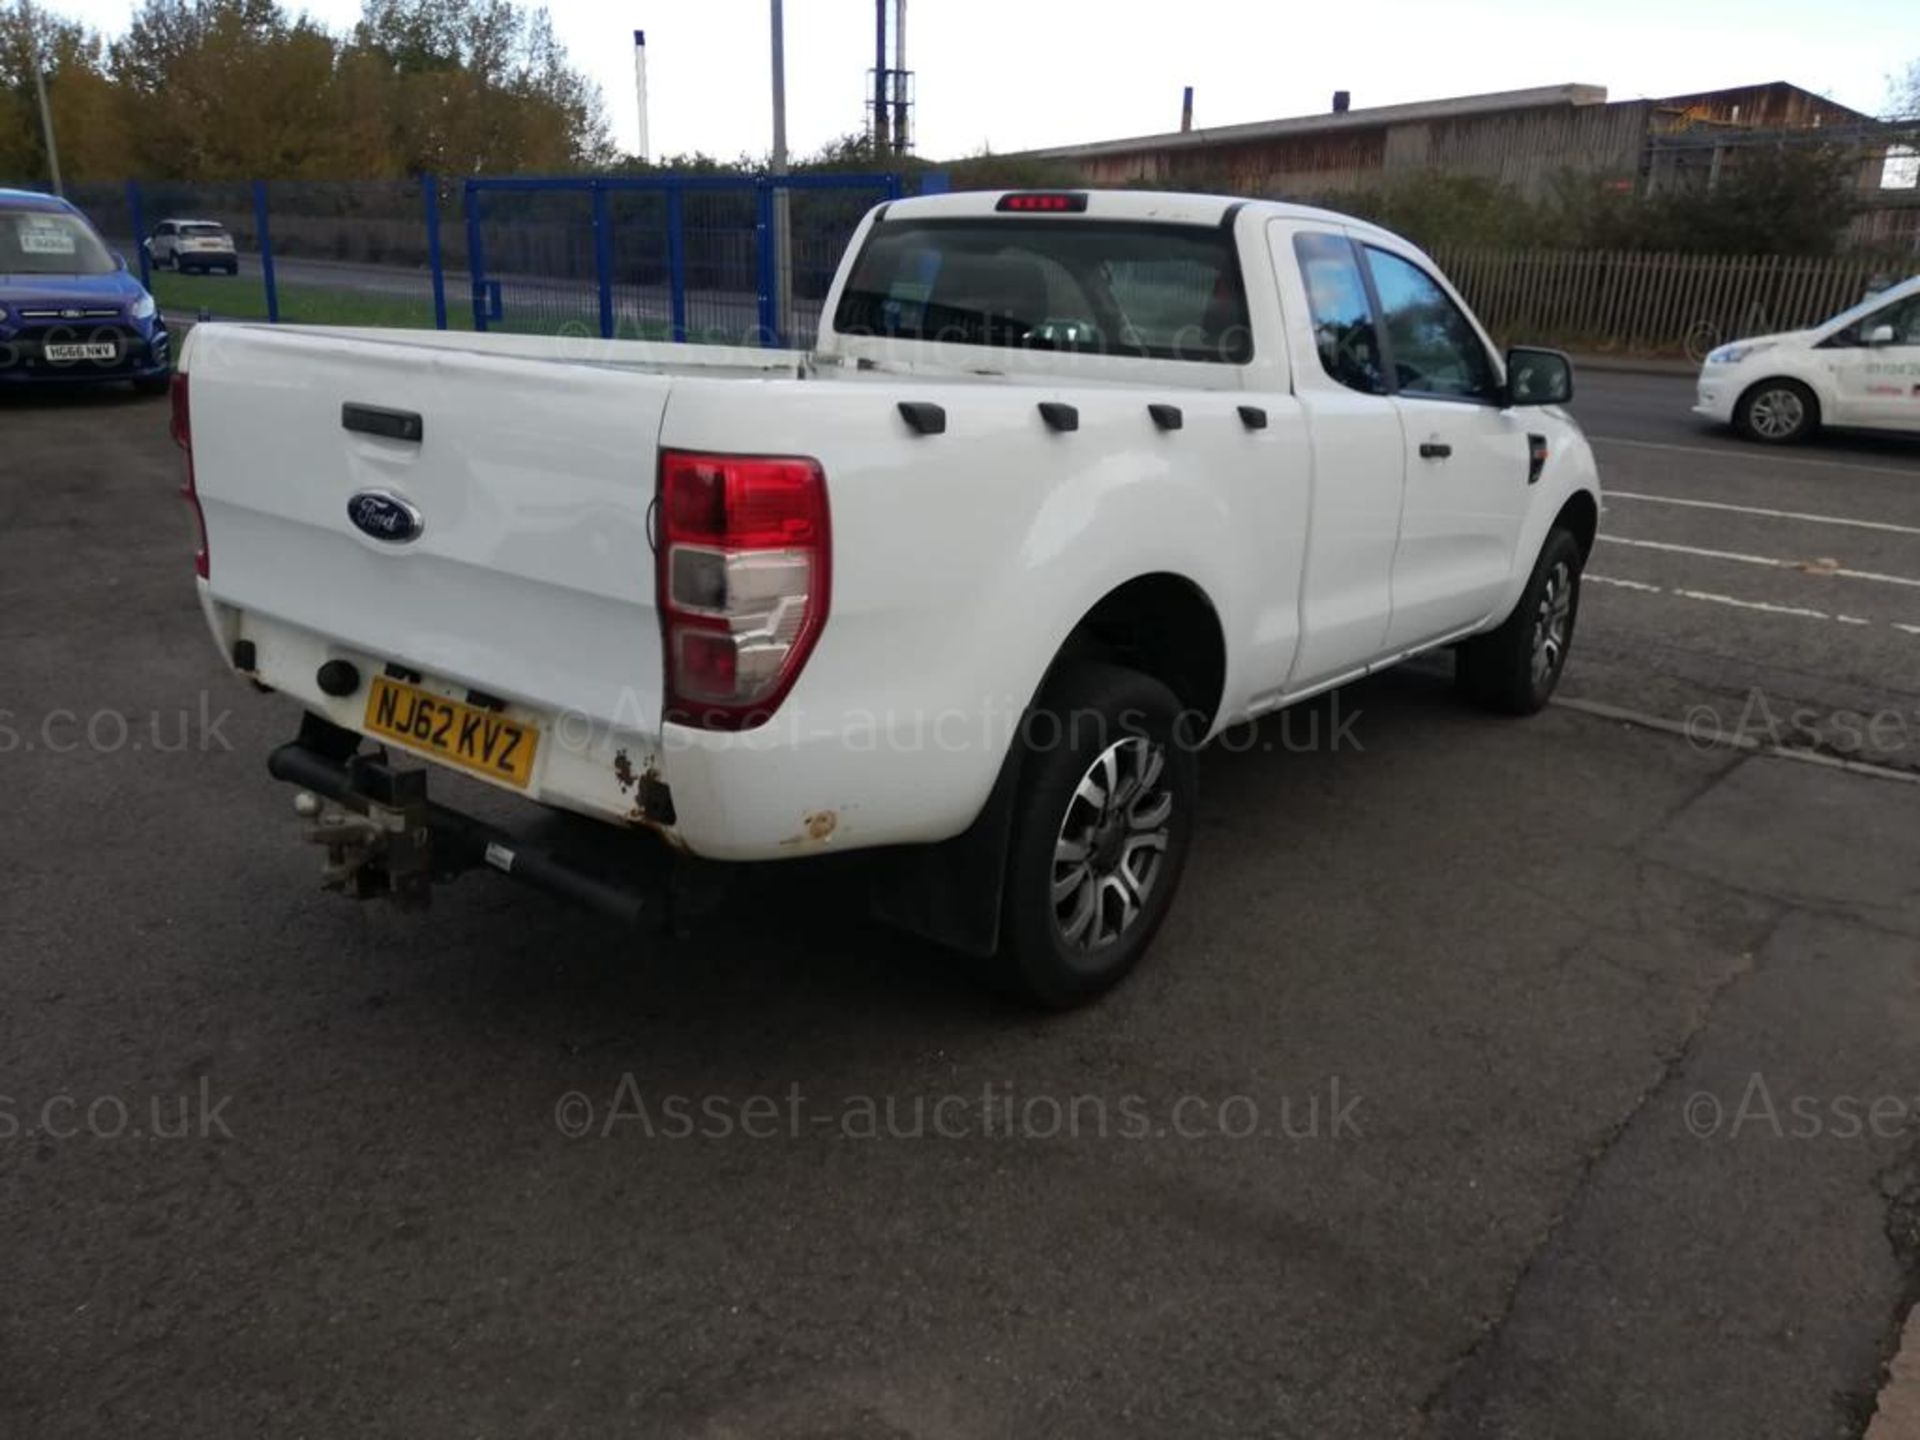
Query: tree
[[85, 115], [1903, 94], [480, 85], [225, 90]]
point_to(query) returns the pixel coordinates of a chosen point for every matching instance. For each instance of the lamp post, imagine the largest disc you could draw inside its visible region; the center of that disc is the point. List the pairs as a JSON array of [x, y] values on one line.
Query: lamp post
[[40, 90], [782, 238]]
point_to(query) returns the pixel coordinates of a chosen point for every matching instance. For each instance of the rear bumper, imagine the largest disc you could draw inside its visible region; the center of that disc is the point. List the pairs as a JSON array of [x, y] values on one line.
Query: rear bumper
[[386, 839]]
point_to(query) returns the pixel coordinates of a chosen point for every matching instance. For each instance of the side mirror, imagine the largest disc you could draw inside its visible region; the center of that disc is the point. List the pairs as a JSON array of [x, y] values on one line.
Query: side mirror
[[1880, 335], [119, 260], [1538, 377]]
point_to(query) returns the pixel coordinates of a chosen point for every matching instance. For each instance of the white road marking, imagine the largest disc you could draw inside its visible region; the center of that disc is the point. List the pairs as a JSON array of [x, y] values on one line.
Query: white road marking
[[1727, 452], [1768, 560], [1753, 604], [1885, 525], [1760, 605], [1733, 741]]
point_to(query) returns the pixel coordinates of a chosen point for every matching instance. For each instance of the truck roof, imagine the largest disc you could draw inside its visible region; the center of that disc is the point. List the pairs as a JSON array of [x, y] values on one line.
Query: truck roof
[[1149, 205]]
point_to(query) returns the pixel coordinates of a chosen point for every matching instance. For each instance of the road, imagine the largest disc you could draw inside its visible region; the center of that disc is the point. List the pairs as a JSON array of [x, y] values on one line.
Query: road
[[1775, 591], [1492, 1079]]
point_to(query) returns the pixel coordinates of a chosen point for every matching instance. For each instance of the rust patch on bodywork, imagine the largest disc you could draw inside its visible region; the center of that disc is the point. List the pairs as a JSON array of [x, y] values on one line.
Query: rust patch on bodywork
[[816, 829], [652, 800]]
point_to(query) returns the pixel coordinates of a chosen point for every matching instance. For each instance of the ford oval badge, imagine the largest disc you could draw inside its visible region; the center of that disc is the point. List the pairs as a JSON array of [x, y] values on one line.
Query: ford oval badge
[[385, 516]]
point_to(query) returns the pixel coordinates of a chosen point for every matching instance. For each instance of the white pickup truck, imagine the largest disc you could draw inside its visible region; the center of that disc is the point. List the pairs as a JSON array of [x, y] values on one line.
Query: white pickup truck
[[1070, 483]]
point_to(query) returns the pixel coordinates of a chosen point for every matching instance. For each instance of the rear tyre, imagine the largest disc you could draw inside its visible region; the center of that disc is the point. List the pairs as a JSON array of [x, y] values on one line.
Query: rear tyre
[[1515, 669], [1100, 834], [1777, 412]]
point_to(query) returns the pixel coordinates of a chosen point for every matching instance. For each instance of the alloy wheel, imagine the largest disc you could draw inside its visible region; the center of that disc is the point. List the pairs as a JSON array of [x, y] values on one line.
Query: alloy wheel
[[1112, 845]]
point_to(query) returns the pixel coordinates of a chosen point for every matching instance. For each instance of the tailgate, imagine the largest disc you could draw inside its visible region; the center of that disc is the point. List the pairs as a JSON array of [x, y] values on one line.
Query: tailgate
[[531, 575]]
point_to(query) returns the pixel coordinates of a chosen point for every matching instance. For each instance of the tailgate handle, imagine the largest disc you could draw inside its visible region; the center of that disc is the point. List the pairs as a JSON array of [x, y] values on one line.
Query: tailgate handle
[[378, 420]]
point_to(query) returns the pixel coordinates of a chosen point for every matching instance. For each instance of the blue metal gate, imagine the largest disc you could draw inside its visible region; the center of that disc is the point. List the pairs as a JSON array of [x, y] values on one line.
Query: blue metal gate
[[658, 257]]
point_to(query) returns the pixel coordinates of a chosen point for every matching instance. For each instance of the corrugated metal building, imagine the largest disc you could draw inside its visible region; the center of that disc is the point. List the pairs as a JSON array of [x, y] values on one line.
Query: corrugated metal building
[[1522, 138]]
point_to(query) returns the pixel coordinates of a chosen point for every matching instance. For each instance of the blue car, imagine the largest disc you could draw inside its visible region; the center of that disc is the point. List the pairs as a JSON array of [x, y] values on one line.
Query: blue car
[[69, 311]]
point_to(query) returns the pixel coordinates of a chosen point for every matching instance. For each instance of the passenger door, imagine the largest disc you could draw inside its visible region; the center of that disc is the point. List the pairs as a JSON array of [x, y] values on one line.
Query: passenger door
[[1879, 385], [1467, 456], [1359, 460]]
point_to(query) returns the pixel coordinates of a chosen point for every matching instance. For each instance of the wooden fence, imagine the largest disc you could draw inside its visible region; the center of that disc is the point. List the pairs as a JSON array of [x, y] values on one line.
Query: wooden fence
[[1651, 304]]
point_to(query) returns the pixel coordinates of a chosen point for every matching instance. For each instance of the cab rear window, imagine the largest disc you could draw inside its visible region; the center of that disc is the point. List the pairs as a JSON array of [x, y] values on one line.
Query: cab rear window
[[1163, 292]]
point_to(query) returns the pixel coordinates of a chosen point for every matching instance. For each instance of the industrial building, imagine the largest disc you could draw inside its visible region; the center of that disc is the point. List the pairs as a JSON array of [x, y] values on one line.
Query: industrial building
[[1525, 139]]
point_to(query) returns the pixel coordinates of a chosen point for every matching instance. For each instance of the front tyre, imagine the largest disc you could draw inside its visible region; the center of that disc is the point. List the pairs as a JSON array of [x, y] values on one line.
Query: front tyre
[[1100, 833], [1777, 412], [1515, 669]]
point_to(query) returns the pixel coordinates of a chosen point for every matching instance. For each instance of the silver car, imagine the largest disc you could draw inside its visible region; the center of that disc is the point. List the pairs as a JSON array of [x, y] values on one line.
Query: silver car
[[193, 245]]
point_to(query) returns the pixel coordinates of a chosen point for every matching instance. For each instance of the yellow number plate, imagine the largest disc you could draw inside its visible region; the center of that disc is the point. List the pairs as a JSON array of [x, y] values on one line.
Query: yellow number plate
[[450, 730]]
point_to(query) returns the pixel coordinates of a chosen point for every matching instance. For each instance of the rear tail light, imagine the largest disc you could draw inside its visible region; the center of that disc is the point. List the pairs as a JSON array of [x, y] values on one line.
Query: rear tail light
[[181, 428], [743, 581]]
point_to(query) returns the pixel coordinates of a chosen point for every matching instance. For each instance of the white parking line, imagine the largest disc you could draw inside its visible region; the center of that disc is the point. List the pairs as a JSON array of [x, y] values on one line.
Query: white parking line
[[1885, 525], [1769, 560], [1753, 604], [1763, 606], [1728, 452]]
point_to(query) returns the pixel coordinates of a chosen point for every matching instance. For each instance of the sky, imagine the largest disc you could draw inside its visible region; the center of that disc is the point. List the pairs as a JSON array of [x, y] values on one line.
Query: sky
[[1019, 74]]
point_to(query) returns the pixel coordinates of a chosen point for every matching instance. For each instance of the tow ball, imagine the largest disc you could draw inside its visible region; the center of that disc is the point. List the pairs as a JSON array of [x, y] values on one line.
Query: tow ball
[[383, 845]]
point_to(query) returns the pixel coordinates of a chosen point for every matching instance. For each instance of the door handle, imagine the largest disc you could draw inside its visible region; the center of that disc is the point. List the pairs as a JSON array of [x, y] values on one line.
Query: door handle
[[1434, 450]]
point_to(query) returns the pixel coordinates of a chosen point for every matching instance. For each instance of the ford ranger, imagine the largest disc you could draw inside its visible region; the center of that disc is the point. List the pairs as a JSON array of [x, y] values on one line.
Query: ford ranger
[[1070, 483]]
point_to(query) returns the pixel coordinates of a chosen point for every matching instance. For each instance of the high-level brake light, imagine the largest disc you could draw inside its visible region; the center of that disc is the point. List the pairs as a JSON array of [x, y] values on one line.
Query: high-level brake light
[[1058, 203]]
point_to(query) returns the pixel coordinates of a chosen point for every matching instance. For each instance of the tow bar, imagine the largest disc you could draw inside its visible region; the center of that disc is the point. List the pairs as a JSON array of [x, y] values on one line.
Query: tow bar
[[385, 839]]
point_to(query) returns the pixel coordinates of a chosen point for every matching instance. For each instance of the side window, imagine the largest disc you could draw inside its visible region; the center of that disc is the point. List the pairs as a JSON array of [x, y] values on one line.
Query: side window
[[1343, 320], [1436, 350], [1902, 315]]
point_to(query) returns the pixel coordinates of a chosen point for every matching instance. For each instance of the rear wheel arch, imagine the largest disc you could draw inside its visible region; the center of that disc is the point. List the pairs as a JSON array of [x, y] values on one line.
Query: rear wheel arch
[[1163, 625]]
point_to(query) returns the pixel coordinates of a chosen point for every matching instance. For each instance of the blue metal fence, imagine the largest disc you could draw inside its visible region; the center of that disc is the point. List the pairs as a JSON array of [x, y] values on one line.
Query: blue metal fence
[[682, 257]]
